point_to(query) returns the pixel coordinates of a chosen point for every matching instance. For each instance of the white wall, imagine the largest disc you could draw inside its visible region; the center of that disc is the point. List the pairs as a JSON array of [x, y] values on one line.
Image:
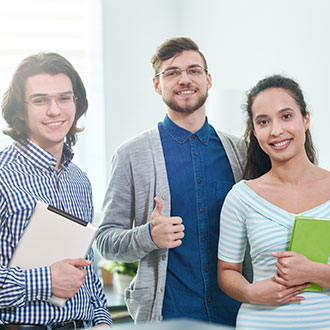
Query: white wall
[[243, 42]]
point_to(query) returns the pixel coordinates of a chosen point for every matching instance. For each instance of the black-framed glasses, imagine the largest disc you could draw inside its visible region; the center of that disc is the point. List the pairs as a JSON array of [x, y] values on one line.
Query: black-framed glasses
[[63, 100], [173, 73]]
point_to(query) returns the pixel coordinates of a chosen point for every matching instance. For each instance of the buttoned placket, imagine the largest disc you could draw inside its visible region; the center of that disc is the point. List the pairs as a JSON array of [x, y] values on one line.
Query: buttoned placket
[[202, 214]]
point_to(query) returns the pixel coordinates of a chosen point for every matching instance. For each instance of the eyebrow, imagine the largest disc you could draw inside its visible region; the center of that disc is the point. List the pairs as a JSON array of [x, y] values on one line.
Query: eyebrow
[[281, 111], [190, 66], [42, 94]]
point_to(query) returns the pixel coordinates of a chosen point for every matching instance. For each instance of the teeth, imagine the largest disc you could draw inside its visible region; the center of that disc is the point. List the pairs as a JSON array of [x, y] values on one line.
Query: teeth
[[281, 143], [58, 123], [187, 92]]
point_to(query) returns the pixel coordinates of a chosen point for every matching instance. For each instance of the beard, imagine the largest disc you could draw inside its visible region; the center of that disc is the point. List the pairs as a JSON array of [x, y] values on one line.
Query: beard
[[173, 105]]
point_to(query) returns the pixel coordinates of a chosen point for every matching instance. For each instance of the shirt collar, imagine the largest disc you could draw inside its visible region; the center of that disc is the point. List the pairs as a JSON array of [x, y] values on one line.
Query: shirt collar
[[181, 135], [41, 158]]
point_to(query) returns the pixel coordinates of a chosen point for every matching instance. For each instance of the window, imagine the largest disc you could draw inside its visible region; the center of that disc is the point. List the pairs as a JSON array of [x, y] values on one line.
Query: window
[[71, 28]]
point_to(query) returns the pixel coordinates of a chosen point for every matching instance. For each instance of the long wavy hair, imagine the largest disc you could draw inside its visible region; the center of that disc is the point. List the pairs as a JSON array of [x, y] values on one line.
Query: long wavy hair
[[258, 162], [13, 101]]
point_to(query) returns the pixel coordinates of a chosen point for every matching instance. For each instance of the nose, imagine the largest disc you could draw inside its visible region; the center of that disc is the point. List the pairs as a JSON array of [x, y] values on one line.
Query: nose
[[53, 109], [277, 128], [184, 77]]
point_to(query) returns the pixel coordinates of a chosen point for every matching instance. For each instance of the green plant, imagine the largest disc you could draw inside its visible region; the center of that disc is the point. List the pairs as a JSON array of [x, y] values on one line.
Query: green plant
[[128, 268]]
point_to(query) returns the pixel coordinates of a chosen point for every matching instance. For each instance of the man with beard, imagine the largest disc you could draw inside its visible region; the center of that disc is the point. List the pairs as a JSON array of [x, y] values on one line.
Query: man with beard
[[165, 194]]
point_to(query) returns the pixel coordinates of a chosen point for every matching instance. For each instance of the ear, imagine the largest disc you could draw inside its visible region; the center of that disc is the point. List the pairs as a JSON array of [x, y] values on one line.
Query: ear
[[209, 80], [156, 82], [21, 116], [307, 120]]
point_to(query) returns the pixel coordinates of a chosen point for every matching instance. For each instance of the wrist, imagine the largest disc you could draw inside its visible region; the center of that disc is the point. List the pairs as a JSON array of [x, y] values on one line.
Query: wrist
[[320, 274], [248, 293]]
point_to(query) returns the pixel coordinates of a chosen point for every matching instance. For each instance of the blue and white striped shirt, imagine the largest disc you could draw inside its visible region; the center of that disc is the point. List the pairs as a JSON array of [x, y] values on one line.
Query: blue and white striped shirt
[[27, 174], [248, 216]]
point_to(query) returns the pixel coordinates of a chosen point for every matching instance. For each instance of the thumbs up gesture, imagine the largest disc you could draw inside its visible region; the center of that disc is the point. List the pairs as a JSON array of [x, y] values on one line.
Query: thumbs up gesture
[[166, 232]]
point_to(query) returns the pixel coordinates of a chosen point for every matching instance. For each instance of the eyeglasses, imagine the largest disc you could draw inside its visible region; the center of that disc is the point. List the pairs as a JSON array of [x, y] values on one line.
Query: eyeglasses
[[194, 71], [63, 101]]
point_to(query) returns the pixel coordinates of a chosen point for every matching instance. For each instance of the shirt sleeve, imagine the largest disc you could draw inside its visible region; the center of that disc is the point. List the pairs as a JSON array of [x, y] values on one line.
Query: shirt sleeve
[[232, 237], [99, 301], [18, 286], [118, 238]]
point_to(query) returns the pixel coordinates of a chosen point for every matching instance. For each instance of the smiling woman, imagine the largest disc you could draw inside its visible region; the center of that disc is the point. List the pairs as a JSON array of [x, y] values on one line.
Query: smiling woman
[[262, 211]]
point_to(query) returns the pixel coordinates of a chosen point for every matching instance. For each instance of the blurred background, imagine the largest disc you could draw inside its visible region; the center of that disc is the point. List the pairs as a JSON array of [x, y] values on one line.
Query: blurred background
[[110, 43]]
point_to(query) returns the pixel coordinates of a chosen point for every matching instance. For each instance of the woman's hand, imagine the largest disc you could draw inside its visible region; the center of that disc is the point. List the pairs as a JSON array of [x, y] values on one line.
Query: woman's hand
[[292, 268], [270, 292]]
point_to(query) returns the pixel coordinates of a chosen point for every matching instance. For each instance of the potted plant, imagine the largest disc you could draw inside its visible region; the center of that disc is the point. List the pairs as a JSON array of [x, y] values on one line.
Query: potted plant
[[105, 267], [123, 273], [118, 273]]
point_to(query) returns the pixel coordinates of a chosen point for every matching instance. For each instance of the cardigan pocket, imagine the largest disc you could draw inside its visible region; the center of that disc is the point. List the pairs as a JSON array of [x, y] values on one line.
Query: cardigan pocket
[[139, 303]]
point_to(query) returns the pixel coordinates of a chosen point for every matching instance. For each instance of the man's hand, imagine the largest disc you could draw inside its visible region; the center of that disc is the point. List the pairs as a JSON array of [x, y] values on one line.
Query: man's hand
[[166, 232], [68, 277]]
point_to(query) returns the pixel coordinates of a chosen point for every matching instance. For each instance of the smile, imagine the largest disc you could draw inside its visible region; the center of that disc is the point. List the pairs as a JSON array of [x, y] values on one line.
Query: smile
[[186, 92], [281, 144], [55, 124]]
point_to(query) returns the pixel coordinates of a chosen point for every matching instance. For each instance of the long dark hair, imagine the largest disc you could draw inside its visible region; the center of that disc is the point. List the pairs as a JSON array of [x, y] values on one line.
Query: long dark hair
[[13, 100], [258, 162]]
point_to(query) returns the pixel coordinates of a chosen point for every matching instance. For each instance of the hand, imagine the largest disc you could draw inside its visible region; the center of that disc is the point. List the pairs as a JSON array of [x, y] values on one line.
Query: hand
[[269, 292], [101, 325], [68, 277], [166, 232], [292, 268]]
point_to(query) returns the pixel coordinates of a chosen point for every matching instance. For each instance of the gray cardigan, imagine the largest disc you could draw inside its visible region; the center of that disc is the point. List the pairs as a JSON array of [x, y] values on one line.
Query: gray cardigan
[[138, 175]]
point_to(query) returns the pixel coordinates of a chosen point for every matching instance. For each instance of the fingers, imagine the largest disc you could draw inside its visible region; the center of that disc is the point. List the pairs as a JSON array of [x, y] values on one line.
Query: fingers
[[157, 212], [79, 262], [283, 254]]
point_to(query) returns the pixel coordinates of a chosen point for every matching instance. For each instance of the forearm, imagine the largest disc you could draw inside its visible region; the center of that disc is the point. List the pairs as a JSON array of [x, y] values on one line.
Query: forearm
[[127, 245], [19, 286], [320, 274], [234, 284]]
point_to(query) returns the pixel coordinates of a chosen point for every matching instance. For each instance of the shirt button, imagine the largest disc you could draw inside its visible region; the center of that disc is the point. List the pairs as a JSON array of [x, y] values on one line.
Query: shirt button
[[161, 289], [180, 140], [193, 136], [203, 239], [209, 299], [164, 257], [204, 141], [201, 210], [206, 269], [196, 153], [199, 181]]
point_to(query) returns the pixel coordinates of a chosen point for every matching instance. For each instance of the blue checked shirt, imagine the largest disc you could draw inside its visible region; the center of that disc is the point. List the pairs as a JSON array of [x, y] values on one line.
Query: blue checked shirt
[[27, 174]]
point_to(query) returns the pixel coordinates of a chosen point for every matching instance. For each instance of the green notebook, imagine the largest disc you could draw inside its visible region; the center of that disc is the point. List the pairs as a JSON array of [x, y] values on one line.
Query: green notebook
[[311, 237]]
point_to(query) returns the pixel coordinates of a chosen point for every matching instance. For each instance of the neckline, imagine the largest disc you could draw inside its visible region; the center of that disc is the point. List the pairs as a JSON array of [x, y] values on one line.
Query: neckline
[[265, 201]]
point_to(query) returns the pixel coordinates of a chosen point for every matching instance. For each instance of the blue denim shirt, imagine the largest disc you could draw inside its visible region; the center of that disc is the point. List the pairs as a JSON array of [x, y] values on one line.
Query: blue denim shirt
[[199, 177]]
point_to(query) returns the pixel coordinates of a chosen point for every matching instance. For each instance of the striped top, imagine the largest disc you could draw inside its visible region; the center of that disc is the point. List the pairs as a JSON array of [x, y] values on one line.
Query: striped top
[[246, 215], [27, 174]]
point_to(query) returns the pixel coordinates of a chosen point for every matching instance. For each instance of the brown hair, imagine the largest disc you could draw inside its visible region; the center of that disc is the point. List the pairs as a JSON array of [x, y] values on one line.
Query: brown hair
[[13, 100], [172, 47]]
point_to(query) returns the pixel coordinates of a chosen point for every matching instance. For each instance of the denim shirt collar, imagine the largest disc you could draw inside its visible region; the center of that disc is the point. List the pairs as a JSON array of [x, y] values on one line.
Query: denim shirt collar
[[181, 135]]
